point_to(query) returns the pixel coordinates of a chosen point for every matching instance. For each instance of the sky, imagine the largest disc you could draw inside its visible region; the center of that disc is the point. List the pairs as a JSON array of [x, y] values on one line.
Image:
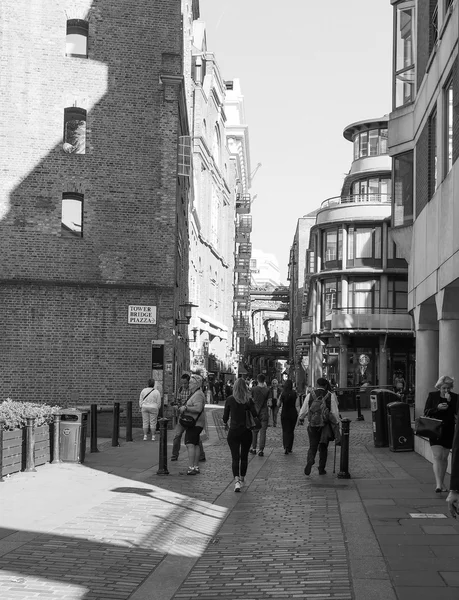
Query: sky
[[307, 70]]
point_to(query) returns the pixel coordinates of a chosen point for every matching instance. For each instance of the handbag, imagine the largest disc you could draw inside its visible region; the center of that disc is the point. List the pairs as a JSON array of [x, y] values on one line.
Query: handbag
[[251, 422], [428, 427]]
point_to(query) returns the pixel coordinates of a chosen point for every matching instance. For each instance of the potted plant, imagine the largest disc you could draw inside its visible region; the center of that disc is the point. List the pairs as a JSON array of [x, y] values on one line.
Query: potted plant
[[14, 417]]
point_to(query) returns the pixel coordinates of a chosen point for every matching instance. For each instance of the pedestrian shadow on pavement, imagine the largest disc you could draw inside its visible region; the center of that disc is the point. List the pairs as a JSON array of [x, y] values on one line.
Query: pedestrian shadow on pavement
[[114, 546]]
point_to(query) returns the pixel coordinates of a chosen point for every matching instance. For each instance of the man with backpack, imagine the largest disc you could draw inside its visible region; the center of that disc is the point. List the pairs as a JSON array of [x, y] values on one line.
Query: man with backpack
[[316, 407]]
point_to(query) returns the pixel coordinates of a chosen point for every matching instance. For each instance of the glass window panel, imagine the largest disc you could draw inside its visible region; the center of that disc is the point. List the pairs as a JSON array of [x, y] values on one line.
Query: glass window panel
[[378, 242], [364, 144], [373, 138], [449, 127], [383, 141], [356, 147], [76, 44], [363, 243], [403, 189], [75, 130], [384, 189], [350, 244], [330, 245], [340, 244], [404, 87], [404, 39]]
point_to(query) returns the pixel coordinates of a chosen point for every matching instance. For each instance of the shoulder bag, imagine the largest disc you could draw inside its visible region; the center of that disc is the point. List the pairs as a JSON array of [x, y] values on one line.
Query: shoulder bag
[[188, 421], [428, 427], [251, 422]]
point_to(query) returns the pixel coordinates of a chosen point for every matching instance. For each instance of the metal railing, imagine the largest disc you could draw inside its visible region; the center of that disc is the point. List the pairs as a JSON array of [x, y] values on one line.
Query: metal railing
[[358, 310], [357, 199]]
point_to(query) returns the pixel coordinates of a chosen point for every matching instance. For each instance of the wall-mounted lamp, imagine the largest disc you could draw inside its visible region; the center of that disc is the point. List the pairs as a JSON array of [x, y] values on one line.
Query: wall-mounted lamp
[[187, 309]]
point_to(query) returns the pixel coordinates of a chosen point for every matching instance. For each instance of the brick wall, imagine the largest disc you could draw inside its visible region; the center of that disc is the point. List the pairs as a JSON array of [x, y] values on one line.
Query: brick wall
[[63, 311]]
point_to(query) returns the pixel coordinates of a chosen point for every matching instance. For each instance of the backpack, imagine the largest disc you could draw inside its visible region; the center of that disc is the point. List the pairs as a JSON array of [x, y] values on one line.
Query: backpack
[[318, 411]]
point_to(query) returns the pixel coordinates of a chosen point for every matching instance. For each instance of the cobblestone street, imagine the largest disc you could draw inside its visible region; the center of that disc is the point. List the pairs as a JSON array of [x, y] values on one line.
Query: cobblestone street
[[123, 532]]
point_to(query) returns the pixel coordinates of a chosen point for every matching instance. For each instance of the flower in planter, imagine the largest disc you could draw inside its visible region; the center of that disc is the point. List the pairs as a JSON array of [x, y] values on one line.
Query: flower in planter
[[14, 414]]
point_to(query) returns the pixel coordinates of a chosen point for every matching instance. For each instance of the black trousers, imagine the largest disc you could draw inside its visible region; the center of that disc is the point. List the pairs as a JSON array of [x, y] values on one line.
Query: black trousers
[[288, 423], [314, 434], [239, 443]]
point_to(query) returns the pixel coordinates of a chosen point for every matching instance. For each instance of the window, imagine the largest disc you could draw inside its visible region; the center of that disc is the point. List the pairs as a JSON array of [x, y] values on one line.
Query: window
[[432, 172], [332, 247], [76, 43], [393, 252], [370, 143], [331, 297], [397, 294], [364, 294], [433, 32], [72, 215], [184, 155], [376, 189], [74, 130], [402, 205], [449, 99], [364, 246], [404, 55], [310, 261]]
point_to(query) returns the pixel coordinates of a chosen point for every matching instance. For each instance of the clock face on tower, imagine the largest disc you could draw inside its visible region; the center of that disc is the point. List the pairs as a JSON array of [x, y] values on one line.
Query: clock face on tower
[[364, 359]]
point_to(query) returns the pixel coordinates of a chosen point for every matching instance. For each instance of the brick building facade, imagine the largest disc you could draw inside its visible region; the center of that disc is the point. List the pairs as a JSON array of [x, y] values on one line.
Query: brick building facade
[[93, 214]]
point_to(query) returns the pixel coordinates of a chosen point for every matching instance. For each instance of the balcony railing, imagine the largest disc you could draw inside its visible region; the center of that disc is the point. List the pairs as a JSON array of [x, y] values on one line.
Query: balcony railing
[[356, 199], [244, 223], [243, 304], [242, 292], [358, 310], [241, 324], [245, 250], [243, 278], [243, 204], [242, 264]]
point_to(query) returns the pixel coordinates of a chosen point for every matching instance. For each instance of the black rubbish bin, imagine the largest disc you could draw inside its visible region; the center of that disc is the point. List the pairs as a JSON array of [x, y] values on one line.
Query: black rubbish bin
[[72, 435], [401, 438], [379, 399]]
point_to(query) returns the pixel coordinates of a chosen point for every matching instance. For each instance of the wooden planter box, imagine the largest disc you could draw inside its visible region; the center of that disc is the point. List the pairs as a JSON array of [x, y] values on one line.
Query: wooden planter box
[[14, 448]]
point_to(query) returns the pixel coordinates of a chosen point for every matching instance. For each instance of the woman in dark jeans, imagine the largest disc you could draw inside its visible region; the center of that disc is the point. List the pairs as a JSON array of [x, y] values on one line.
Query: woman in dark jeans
[[239, 437], [289, 415]]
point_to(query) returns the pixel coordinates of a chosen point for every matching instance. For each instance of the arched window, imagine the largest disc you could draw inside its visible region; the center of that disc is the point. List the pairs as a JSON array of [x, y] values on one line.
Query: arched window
[[76, 43], [72, 215], [75, 130]]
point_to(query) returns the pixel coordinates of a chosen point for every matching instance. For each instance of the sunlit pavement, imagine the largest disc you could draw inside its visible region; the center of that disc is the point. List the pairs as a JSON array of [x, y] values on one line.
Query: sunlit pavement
[[113, 528]]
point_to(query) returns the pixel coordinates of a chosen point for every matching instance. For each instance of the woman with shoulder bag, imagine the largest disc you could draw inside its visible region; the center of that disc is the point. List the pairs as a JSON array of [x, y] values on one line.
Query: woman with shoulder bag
[[239, 436], [194, 407], [442, 405]]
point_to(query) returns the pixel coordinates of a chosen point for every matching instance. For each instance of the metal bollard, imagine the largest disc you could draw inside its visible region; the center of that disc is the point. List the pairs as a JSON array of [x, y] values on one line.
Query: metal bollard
[[1, 451], [94, 447], [129, 421], [360, 417], [56, 434], [344, 458], [30, 445], [162, 466], [116, 424]]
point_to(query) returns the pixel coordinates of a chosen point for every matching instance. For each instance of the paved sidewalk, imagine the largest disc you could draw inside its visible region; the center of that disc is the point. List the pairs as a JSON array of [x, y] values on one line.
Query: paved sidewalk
[[113, 529]]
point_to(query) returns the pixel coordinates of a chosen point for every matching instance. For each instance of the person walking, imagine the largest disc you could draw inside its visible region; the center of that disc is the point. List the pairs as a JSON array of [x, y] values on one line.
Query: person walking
[[194, 407], [150, 403], [273, 401], [182, 396], [442, 405], [289, 415], [260, 394], [239, 436], [316, 408]]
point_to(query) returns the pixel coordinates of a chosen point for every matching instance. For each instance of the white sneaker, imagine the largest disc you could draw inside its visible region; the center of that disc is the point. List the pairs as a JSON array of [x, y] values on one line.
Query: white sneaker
[[145, 438], [237, 485], [152, 438], [242, 480]]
